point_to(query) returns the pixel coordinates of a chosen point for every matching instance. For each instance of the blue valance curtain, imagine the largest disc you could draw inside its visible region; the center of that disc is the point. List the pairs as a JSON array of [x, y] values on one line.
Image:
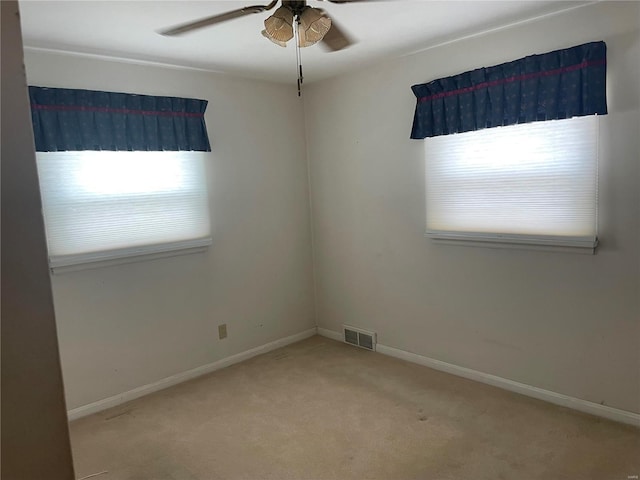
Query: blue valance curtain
[[555, 85], [69, 119]]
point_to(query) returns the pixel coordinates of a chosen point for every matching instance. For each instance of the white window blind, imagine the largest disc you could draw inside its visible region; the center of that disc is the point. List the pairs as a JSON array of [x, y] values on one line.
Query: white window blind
[[530, 183], [105, 205]]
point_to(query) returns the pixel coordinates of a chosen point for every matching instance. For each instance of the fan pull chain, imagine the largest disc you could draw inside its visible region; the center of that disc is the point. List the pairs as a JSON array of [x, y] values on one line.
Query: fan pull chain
[[298, 56]]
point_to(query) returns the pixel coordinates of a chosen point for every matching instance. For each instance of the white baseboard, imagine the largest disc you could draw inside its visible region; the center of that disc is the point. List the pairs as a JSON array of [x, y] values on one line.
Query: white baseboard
[[330, 334], [585, 406], [115, 400]]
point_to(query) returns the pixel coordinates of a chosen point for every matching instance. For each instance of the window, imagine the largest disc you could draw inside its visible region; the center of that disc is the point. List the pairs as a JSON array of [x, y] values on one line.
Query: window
[[102, 205], [533, 183]]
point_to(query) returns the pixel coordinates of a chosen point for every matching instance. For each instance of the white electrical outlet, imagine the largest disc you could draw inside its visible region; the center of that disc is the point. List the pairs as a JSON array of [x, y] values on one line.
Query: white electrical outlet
[[222, 331]]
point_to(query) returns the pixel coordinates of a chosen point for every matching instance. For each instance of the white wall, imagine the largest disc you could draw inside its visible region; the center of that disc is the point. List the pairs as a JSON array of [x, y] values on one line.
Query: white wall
[[563, 322], [124, 326]]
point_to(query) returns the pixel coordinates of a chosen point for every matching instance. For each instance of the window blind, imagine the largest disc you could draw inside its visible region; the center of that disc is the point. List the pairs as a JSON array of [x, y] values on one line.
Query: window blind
[[100, 205], [525, 183]]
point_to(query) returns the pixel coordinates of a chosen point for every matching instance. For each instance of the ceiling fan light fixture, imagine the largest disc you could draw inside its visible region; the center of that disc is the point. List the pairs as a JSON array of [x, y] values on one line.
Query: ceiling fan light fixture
[[313, 26], [279, 26], [277, 42]]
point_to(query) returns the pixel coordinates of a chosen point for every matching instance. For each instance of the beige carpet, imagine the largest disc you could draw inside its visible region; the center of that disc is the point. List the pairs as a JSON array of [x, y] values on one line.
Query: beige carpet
[[320, 409]]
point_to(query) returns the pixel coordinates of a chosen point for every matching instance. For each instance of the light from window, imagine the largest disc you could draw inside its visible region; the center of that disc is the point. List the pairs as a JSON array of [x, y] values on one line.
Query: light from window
[[104, 205], [529, 183], [149, 172]]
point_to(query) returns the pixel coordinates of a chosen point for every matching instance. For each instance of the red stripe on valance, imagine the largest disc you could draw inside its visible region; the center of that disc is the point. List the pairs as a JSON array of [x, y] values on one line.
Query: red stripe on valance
[[67, 108], [66, 119], [550, 86], [517, 78]]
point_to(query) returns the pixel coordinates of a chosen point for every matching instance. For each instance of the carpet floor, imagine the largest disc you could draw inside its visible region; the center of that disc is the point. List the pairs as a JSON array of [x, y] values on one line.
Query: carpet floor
[[320, 409]]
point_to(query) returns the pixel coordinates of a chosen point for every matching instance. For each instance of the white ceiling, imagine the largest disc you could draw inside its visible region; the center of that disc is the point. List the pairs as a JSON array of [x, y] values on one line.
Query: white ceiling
[[127, 29]]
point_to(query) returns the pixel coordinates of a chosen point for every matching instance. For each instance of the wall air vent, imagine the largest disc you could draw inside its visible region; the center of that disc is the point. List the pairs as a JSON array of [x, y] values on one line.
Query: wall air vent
[[359, 338]]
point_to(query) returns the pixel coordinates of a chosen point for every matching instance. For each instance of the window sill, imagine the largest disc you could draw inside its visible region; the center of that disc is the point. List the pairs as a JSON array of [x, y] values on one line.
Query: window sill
[[584, 246], [61, 265]]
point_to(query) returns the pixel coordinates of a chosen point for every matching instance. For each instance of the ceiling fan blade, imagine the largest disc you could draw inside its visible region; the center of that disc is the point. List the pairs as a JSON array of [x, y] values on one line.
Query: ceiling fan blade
[[337, 38], [215, 19]]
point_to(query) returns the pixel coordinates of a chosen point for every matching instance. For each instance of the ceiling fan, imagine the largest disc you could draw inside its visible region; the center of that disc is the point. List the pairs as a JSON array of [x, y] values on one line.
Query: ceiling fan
[[294, 18]]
